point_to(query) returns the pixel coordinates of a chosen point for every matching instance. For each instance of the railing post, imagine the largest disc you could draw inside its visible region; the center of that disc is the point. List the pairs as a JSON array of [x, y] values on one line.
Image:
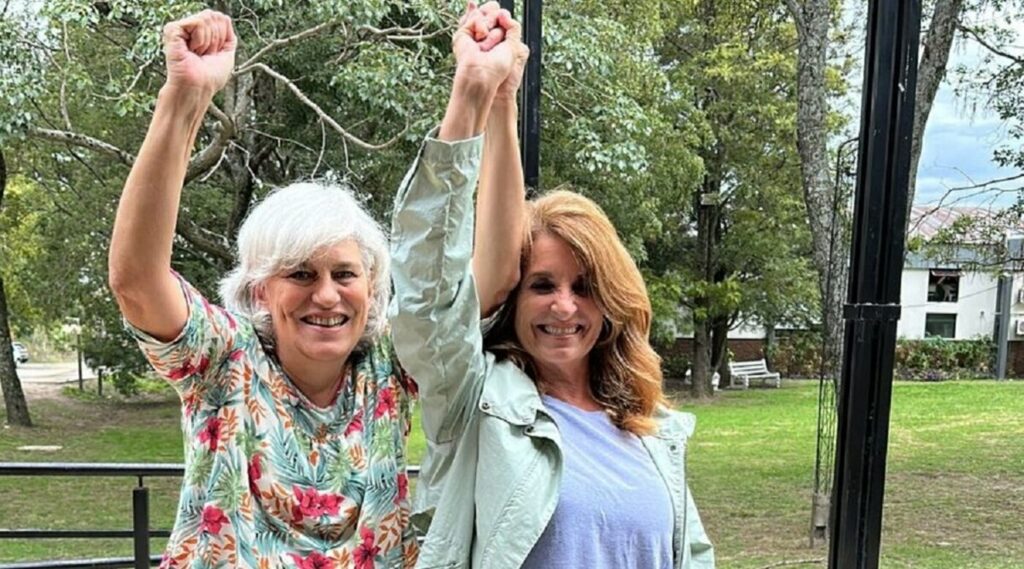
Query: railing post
[[140, 525]]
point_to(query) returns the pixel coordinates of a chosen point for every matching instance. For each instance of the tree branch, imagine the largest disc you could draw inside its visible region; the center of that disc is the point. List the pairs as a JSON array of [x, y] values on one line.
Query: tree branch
[[192, 233], [977, 37], [84, 141], [797, 11], [250, 63], [324, 116]]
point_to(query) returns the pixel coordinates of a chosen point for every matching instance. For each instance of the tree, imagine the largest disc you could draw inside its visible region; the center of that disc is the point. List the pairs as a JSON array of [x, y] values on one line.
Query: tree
[[341, 91], [737, 63], [14, 397]]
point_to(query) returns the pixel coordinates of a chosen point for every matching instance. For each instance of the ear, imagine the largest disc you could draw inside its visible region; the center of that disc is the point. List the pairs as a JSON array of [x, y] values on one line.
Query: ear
[[259, 295]]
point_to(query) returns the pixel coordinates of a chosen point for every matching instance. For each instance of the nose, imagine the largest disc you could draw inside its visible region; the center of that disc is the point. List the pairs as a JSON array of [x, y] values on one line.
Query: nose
[[564, 305], [325, 293]]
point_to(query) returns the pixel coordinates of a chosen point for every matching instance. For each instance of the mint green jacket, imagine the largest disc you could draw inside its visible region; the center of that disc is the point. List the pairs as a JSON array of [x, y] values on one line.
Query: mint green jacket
[[491, 477]]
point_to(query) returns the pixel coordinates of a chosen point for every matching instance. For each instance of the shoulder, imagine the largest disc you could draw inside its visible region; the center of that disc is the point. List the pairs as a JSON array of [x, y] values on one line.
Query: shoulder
[[672, 423]]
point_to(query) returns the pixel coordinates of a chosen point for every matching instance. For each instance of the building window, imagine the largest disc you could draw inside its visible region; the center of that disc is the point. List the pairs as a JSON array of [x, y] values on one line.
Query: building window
[[940, 326], [943, 285]]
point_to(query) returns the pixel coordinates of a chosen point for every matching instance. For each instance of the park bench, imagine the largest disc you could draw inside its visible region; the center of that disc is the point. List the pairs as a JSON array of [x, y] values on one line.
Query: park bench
[[743, 372]]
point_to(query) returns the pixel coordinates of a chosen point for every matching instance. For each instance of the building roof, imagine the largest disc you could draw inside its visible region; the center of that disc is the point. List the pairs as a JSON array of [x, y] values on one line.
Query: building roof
[[928, 221]]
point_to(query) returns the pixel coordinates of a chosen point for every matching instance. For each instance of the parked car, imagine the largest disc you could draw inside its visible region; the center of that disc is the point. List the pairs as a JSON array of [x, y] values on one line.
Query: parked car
[[20, 352]]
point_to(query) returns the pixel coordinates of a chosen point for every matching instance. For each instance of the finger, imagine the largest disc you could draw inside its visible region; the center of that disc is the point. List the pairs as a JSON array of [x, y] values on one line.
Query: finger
[[230, 40], [490, 7], [470, 8], [479, 27], [513, 29], [216, 34], [198, 35], [494, 37]]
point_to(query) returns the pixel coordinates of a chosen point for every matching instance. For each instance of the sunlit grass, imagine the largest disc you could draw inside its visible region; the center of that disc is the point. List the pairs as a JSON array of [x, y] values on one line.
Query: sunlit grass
[[954, 489]]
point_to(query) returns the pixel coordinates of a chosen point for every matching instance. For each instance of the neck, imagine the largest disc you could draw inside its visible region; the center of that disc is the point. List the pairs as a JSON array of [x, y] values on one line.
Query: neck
[[569, 383], [319, 382]]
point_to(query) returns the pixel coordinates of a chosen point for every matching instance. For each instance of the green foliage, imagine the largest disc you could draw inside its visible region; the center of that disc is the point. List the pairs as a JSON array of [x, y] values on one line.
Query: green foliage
[[938, 359], [796, 354], [636, 96]]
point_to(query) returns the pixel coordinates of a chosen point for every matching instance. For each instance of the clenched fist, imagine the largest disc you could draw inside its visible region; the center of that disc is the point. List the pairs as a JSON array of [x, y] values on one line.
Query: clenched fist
[[200, 51]]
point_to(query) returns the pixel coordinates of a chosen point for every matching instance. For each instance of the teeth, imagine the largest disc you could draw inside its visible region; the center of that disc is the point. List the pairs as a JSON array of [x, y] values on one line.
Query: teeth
[[320, 321], [556, 331]]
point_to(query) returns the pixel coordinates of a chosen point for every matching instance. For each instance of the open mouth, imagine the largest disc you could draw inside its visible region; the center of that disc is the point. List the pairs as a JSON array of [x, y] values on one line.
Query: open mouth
[[326, 321], [560, 330]]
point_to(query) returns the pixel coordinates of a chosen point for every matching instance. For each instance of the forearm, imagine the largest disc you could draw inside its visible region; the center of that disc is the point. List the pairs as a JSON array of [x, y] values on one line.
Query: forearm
[[148, 210], [500, 209], [468, 108]]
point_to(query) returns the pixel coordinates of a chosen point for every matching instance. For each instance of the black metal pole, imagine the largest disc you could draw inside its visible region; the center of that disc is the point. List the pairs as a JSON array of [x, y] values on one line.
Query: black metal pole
[[530, 123], [140, 525], [529, 93], [879, 228]]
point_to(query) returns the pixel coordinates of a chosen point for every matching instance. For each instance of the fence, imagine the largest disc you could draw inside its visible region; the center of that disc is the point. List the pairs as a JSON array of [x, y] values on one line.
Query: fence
[[140, 533]]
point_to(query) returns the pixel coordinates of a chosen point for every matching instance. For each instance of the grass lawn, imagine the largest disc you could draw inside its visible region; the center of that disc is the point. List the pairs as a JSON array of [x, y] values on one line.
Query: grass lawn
[[954, 492]]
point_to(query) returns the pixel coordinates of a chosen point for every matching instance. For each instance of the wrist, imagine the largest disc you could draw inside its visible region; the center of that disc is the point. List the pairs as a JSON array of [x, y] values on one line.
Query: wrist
[[184, 98], [468, 108]]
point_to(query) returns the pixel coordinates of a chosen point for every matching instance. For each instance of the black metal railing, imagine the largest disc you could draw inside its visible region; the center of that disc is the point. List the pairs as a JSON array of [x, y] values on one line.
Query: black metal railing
[[140, 533]]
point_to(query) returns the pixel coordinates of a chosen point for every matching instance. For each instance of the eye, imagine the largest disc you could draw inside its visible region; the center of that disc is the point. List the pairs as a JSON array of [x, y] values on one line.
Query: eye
[[301, 275], [344, 275], [542, 286], [581, 287]]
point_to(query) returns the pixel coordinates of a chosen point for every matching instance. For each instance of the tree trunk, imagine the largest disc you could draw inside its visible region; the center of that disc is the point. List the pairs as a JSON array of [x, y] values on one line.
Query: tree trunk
[[707, 208], [14, 397], [930, 73], [769, 344], [828, 245], [701, 378], [720, 349]]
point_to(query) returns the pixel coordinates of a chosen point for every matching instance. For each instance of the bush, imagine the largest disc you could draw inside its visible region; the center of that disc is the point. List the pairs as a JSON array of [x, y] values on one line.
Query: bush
[[796, 354], [674, 361], [937, 359]]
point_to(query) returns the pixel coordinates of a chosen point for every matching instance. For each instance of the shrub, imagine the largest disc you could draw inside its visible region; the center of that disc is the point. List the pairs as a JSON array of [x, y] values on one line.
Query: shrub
[[796, 354], [937, 359]]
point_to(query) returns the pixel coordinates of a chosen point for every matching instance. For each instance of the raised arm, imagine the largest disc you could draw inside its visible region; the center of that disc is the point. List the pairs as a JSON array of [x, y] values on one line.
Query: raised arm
[[500, 203], [200, 53], [436, 308]]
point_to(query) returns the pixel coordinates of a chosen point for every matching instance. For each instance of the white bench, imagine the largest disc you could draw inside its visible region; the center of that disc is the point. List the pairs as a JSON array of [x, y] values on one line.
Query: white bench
[[743, 372]]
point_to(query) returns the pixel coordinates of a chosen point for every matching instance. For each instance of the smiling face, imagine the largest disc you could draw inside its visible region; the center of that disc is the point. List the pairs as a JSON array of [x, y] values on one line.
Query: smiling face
[[557, 320], [318, 310]]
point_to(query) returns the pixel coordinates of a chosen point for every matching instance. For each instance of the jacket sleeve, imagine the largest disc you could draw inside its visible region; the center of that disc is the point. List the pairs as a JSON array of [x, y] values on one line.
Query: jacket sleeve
[[702, 554], [435, 316]]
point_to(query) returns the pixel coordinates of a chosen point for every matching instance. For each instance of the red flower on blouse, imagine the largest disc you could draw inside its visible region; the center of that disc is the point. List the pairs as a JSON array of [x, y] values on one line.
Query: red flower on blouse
[[356, 424], [255, 471], [385, 403], [312, 504], [213, 518], [366, 550], [314, 560], [403, 487], [210, 433], [188, 369]]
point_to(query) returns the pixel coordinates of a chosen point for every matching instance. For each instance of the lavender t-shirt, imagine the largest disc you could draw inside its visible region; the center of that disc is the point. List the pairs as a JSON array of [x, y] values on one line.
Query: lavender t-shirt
[[614, 511]]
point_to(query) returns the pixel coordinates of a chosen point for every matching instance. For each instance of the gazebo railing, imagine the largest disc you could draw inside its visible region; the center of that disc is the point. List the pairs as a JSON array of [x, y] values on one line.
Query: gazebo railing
[[140, 532]]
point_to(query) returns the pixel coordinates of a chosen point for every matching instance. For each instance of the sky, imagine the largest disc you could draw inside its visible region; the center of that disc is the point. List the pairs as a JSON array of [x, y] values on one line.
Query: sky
[[961, 133], [957, 150]]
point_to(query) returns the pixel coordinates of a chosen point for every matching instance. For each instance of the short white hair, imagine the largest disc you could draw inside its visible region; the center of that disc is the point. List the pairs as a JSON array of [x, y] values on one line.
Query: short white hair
[[289, 227]]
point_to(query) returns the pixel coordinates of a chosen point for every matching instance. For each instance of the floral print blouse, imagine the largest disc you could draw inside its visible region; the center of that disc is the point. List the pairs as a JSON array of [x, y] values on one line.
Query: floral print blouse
[[272, 480]]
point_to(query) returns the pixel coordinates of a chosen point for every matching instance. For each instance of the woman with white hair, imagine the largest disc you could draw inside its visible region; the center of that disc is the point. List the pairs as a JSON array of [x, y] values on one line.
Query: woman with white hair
[[294, 409]]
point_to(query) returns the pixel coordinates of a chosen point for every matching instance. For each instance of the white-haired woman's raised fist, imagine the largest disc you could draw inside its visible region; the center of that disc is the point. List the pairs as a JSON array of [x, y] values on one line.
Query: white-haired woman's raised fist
[[200, 51]]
